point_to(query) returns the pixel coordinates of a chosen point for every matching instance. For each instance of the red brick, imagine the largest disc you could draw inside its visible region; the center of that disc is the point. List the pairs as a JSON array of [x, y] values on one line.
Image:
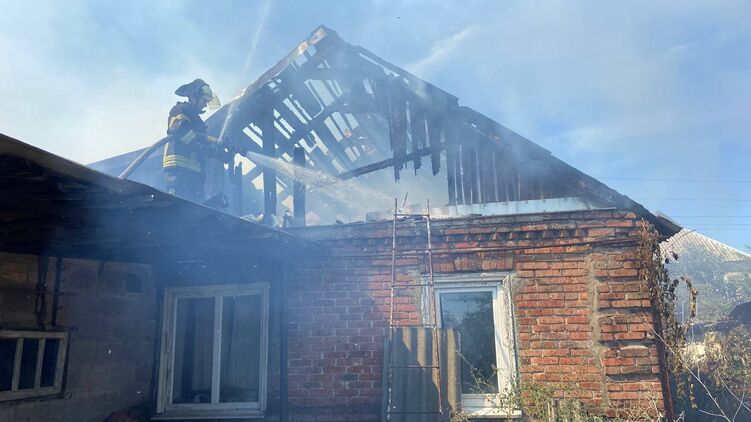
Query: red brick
[[553, 303]]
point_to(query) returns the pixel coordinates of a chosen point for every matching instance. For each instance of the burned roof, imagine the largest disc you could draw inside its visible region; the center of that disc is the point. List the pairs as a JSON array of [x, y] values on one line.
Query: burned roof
[[53, 206], [356, 114]]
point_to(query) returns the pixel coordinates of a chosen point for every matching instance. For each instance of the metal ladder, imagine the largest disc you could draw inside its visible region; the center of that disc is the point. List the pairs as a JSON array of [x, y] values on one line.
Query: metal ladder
[[429, 289]]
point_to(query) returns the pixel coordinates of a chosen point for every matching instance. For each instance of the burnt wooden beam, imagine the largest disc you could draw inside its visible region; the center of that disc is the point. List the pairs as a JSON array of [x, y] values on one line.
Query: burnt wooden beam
[[487, 182], [435, 122], [451, 176], [467, 162], [380, 165], [419, 132], [298, 198], [397, 124], [236, 179], [269, 174], [453, 147], [40, 305]]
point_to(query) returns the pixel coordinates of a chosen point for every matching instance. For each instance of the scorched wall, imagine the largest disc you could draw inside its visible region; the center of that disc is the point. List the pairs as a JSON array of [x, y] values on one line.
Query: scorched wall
[[109, 311]]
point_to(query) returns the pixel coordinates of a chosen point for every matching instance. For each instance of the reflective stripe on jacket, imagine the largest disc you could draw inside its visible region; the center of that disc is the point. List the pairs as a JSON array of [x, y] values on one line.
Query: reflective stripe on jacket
[[187, 149]]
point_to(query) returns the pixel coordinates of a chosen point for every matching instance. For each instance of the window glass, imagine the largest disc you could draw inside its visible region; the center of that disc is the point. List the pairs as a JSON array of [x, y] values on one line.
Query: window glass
[[49, 362], [28, 363], [471, 313], [241, 349], [194, 342], [7, 359]]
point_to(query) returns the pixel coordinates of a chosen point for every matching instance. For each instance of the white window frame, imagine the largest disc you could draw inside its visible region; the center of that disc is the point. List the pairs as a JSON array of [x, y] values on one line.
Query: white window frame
[[482, 405], [168, 410], [37, 390]]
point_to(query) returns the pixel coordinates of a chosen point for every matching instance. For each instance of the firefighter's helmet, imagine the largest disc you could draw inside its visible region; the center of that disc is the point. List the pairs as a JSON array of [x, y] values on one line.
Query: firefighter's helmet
[[199, 89]]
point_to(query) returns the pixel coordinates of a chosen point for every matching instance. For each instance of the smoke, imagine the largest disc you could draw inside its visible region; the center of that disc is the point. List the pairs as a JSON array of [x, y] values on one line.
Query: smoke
[[349, 193], [646, 88]]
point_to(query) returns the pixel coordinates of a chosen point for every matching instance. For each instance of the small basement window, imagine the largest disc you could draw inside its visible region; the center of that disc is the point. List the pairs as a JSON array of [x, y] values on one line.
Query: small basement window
[[31, 363], [213, 361], [478, 307]]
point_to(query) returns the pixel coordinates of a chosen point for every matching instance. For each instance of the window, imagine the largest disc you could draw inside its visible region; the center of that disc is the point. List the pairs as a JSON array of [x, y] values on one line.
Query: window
[[214, 351], [478, 307], [31, 363]]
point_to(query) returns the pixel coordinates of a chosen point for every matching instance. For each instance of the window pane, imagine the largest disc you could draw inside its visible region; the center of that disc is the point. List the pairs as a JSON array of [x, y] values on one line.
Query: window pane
[[471, 313], [241, 349], [7, 358], [194, 342], [28, 363], [49, 362]]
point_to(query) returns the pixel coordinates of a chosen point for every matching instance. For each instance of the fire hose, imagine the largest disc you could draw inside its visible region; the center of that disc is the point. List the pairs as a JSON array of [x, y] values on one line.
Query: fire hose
[[227, 151]]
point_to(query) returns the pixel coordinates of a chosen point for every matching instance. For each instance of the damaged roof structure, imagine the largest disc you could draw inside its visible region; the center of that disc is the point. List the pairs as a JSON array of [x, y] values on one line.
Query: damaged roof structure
[[357, 115], [525, 270]]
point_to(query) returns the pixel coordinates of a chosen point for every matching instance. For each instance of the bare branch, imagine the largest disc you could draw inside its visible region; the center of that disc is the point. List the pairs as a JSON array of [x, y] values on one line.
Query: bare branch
[[743, 395], [693, 375]]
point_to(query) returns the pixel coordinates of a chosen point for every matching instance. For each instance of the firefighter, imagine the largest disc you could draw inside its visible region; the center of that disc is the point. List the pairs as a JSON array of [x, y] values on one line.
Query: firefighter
[[186, 153]]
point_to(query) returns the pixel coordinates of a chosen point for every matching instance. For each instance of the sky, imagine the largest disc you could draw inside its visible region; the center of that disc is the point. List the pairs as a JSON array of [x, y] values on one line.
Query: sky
[[652, 98]]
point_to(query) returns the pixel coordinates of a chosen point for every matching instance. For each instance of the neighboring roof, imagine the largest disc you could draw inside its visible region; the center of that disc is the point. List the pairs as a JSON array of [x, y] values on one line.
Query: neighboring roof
[[325, 77], [697, 247], [720, 273], [53, 206]]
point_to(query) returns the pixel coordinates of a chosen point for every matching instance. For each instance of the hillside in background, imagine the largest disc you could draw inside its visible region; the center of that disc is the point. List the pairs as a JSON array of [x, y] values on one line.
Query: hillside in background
[[720, 273]]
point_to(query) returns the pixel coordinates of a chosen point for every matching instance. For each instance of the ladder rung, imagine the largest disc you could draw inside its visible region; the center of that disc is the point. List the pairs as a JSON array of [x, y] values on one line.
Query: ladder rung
[[429, 327], [415, 413], [414, 367]]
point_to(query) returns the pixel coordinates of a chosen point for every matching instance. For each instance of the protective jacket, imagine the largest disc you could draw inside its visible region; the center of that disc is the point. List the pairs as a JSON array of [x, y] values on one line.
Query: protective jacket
[[190, 144]]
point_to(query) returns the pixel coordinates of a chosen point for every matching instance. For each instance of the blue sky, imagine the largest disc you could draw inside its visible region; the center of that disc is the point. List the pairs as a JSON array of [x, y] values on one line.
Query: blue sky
[[658, 91]]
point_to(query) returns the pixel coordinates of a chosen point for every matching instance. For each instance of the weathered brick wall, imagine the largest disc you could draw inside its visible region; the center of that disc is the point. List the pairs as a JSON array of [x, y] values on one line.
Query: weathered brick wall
[[582, 316], [112, 335]]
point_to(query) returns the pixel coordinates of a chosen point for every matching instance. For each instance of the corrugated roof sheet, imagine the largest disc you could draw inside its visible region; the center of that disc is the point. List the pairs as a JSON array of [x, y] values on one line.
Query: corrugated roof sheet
[[720, 273]]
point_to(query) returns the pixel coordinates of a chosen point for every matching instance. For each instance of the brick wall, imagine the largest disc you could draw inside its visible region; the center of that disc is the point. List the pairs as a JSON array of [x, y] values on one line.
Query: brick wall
[[583, 318], [112, 335]]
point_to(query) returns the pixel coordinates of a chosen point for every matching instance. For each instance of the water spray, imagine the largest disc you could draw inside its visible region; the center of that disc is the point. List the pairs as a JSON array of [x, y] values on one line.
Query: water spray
[[347, 191], [260, 28]]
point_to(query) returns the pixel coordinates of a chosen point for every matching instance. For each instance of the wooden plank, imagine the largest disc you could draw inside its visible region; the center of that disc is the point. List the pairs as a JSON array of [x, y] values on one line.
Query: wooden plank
[[269, 174], [298, 198], [17, 365], [468, 177], [398, 125], [496, 183], [487, 182], [451, 173], [379, 165], [40, 358], [475, 175], [503, 177], [418, 130], [435, 134], [453, 146]]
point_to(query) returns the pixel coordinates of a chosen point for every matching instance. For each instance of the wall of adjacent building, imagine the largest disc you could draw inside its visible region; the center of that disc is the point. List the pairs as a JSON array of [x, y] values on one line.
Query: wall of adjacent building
[[110, 312], [582, 315]]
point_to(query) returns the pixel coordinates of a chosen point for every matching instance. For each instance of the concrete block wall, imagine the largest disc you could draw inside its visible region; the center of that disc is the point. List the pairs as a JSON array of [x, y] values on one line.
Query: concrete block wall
[[112, 335], [583, 317]]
